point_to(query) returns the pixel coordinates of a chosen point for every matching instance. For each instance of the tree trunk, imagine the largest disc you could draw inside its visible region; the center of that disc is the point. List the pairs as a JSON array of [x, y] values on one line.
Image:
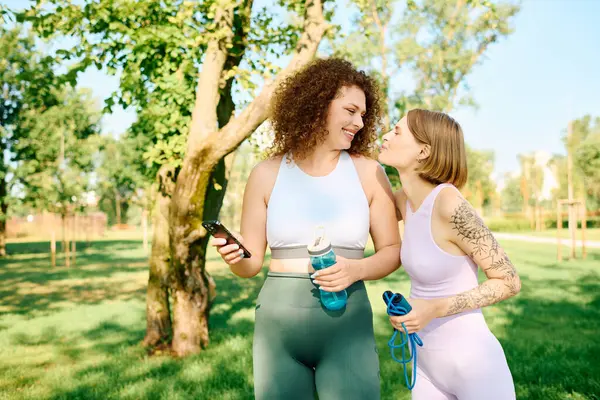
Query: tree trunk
[[65, 242], [194, 288], [74, 239], [158, 315], [145, 228], [201, 186], [3, 215], [118, 206], [53, 250]]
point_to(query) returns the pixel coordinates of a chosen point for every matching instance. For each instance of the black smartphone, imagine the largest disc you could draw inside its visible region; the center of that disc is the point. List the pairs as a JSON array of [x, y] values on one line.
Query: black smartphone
[[218, 230]]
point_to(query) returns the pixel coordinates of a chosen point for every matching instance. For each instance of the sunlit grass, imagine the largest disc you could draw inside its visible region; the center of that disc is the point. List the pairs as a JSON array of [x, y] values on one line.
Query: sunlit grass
[[75, 333]]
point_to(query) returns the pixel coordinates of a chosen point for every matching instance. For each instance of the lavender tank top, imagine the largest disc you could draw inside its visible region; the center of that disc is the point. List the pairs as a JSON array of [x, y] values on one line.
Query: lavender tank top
[[433, 272]]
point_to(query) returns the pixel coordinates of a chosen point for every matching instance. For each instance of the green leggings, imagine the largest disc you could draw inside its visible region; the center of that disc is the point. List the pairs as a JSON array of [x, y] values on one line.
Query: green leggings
[[301, 349]]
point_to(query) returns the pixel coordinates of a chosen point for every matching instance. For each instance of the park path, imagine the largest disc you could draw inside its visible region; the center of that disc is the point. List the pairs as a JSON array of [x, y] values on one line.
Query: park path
[[536, 239]]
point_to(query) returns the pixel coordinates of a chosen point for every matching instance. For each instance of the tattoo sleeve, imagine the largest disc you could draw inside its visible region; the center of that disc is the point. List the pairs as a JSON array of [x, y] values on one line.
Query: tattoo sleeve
[[483, 248]]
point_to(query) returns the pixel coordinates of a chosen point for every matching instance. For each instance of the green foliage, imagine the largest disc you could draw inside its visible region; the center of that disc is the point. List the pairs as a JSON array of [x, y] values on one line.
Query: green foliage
[[532, 178], [436, 42], [585, 148], [29, 86], [511, 196], [509, 224], [55, 156], [559, 166], [27, 78], [480, 187], [587, 154], [588, 160], [157, 47], [118, 176], [440, 42], [154, 45], [5, 14]]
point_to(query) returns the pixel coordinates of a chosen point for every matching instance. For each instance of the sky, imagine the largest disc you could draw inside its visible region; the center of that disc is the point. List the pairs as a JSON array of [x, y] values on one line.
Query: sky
[[529, 86]]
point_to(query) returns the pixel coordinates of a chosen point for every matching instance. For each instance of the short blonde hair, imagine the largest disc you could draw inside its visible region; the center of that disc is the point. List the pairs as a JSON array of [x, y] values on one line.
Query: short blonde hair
[[447, 161]]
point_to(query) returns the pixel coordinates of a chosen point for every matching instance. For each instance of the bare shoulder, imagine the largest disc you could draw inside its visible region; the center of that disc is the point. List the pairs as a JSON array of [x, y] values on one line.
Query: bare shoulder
[[263, 176], [372, 176], [265, 172], [267, 167], [368, 169], [450, 204]]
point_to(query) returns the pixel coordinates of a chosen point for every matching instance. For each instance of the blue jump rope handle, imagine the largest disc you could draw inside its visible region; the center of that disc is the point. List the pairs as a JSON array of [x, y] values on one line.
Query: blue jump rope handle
[[397, 305]]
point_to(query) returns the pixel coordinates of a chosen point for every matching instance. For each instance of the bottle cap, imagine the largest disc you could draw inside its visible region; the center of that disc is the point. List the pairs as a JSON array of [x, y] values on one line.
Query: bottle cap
[[321, 245]]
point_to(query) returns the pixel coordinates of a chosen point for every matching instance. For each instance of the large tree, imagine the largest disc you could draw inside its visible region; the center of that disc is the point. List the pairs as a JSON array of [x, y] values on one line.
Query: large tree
[[180, 63], [196, 195]]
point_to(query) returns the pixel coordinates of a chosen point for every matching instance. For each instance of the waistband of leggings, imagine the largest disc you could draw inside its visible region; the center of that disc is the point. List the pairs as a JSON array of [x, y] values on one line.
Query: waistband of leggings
[[292, 252], [297, 275]]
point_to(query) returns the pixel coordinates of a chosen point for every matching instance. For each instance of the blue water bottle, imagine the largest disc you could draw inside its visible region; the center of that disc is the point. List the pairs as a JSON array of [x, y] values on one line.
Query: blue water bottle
[[322, 256]]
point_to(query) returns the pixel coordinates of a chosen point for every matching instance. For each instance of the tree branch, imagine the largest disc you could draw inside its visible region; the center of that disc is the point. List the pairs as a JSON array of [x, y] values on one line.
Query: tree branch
[[480, 50], [256, 112], [383, 53], [204, 115]]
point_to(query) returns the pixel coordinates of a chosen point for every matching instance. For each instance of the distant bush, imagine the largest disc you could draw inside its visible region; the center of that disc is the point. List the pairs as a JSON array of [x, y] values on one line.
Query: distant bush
[[512, 224], [508, 224]]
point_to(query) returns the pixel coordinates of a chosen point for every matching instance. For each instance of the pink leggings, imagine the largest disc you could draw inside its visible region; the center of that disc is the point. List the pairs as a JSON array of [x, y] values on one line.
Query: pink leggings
[[463, 368]]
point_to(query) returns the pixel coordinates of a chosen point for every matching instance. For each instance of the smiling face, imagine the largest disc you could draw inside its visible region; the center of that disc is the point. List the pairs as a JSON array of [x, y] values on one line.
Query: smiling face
[[345, 117], [401, 149]]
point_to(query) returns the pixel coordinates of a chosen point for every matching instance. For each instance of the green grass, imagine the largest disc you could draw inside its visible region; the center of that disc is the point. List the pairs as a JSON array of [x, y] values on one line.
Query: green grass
[[75, 333]]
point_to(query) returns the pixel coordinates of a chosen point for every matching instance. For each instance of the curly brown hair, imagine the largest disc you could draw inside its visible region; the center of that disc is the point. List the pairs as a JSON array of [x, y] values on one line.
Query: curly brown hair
[[300, 105]]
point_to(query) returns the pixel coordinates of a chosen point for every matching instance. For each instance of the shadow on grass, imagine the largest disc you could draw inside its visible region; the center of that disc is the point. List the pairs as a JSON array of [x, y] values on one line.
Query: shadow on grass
[[32, 286], [552, 346], [44, 246], [108, 362]]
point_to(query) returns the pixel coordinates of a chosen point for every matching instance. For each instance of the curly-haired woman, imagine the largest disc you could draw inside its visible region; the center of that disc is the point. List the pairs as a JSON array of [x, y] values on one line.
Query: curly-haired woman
[[319, 173]]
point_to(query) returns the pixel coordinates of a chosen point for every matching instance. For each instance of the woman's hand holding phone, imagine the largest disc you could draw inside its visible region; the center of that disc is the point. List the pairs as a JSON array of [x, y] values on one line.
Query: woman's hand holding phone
[[230, 253]]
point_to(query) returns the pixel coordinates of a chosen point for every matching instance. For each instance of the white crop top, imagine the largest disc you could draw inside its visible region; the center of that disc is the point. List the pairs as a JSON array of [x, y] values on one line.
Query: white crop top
[[300, 202]]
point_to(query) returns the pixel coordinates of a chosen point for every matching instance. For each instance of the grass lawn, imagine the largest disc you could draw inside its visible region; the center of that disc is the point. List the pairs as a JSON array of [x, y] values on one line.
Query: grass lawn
[[75, 334]]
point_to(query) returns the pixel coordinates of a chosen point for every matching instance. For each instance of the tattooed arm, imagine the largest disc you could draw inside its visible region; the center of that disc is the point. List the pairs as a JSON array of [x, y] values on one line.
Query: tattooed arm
[[462, 231], [471, 235]]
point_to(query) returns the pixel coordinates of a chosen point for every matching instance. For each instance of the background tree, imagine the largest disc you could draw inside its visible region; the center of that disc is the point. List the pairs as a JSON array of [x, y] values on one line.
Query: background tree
[[512, 197], [119, 178], [434, 43], [480, 187], [55, 154], [437, 43], [587, 157], [27, 82]]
